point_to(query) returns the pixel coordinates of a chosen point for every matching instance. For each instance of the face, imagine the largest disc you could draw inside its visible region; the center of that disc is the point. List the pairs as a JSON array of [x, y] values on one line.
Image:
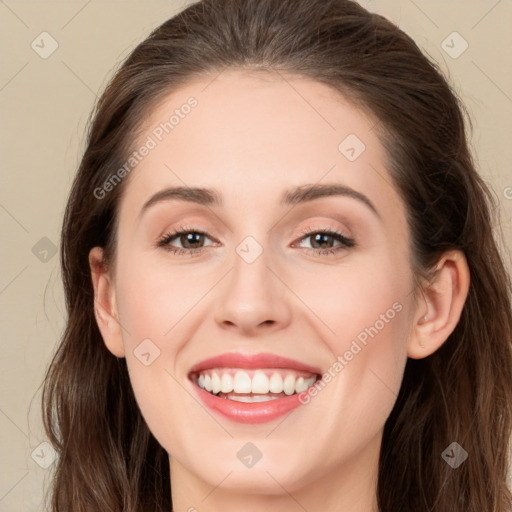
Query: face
[[293, 308]]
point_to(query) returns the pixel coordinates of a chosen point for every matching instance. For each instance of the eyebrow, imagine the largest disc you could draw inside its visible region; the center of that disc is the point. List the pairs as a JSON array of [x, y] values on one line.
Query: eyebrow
[[297, 195]]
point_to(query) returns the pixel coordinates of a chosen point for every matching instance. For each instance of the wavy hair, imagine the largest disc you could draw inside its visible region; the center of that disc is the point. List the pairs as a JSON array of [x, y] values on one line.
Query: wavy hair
[[108, 459]]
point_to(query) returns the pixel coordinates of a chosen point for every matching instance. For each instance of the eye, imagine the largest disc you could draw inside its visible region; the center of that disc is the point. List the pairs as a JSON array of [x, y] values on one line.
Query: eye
[[190, 238], [324, 237], [187, 236]]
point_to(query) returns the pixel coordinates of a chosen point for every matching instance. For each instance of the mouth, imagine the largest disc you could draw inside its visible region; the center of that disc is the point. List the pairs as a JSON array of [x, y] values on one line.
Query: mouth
[[251, 386], [252, 389]]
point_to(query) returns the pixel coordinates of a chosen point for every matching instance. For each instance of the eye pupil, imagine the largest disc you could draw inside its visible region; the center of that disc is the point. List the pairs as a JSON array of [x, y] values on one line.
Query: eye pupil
[[320, 235], [189, 237]]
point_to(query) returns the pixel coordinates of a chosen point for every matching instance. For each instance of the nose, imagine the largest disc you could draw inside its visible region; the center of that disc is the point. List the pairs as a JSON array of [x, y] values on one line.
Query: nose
[[253, 298]]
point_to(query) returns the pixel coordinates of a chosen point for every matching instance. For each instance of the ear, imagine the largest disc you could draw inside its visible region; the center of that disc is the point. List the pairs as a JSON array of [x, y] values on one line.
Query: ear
[[438, 314], [105, 307]]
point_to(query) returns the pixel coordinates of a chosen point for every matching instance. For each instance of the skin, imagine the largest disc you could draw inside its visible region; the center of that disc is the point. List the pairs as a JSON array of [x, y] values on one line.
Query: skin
[[253, 136]]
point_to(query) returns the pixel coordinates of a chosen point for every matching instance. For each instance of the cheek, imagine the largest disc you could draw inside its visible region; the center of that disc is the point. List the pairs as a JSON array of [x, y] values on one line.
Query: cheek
[[367, 309], [159, 306], [153, 299], [364, 299]]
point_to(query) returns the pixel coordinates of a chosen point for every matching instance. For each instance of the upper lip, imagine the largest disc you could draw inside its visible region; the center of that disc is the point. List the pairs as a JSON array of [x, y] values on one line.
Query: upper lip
[[262, 360]]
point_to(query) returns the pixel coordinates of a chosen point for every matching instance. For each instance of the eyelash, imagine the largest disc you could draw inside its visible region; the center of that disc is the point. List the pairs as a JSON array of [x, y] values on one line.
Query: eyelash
[[165, 240]]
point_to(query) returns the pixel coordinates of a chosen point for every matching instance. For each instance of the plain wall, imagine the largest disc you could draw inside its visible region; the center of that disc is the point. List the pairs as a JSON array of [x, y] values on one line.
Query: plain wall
[[45, 103]]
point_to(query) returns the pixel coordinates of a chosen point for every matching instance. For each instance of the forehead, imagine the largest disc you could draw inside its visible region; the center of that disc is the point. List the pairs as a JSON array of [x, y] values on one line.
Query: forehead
[[253, 135]]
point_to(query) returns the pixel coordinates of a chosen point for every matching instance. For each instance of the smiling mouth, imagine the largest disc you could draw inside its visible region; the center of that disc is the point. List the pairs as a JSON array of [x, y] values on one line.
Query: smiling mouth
[[258, 385]]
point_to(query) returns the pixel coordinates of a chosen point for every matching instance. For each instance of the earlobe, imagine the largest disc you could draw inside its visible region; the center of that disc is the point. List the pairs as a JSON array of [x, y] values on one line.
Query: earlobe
[[439, 310], [105, 307]]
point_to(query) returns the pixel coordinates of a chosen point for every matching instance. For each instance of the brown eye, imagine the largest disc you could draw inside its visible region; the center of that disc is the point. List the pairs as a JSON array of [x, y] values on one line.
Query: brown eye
[[190, 239], [323, 240]]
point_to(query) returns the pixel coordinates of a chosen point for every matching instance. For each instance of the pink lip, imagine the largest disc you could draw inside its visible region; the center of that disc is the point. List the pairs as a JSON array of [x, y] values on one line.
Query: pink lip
[[256, 412], [237, 360]]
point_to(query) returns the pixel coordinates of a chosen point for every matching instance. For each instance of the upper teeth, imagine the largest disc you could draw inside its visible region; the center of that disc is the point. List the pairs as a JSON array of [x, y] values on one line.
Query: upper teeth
[[261, 381]]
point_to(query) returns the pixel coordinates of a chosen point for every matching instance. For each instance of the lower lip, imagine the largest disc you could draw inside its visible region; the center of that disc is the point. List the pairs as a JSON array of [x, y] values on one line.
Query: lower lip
[[255, 412]]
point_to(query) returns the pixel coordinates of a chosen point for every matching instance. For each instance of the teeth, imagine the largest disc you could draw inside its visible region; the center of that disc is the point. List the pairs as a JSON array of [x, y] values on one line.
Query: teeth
[[226, 383], [215, 383], [276, 383], [300, 385], [207, 382], [250, 399], [242, 382], [289, 385], [260, 383], [263, 383]]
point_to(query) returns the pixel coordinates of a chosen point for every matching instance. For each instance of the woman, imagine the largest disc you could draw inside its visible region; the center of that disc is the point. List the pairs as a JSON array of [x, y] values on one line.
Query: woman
[[282, 284]]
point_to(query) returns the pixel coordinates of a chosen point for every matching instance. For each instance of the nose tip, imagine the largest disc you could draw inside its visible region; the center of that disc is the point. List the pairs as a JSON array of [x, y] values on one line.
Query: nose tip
[[246, 318], [251, 299]]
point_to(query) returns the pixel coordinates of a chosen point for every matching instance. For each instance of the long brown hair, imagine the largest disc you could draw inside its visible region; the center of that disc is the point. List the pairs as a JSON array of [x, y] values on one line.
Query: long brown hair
[[108, 459]]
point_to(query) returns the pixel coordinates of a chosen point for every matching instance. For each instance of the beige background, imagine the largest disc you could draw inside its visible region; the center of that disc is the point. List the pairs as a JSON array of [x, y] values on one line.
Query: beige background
[[44, 106]]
